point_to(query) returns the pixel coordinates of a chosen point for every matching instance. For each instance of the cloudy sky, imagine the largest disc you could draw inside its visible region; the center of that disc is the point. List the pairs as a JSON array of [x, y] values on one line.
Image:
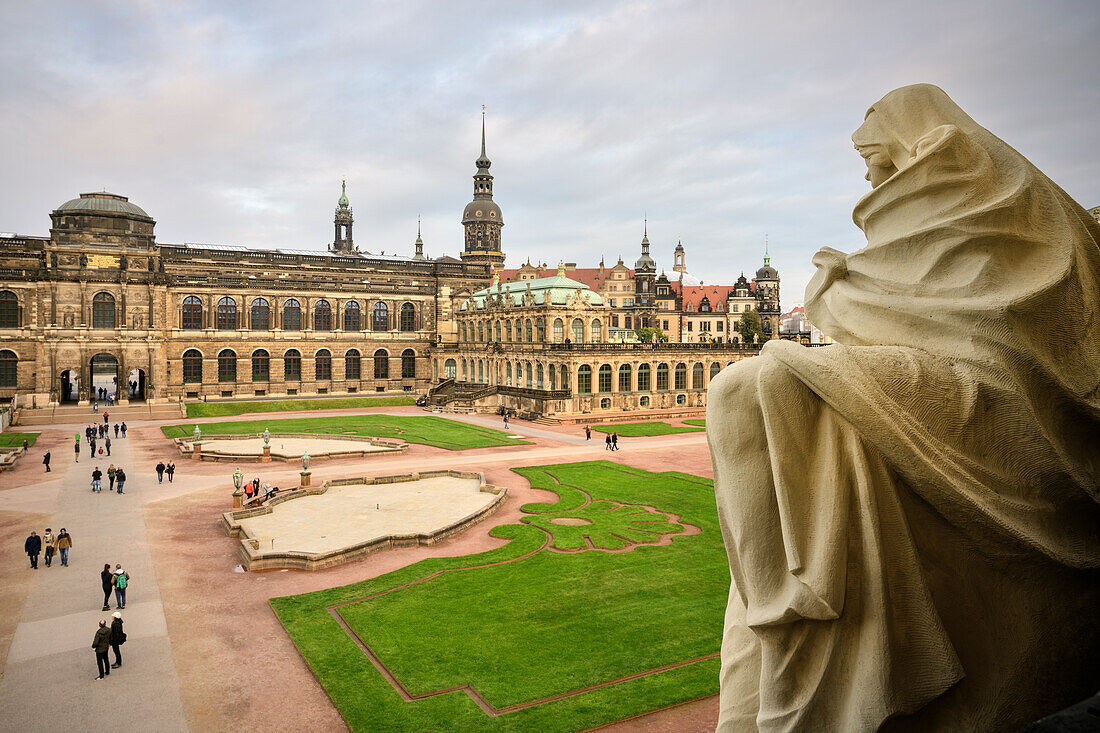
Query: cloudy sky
[[722, 122]]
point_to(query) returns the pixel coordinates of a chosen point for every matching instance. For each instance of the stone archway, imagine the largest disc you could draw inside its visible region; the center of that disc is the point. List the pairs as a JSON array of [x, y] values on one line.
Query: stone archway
[[135, 387], [68, 389], [104, 372]]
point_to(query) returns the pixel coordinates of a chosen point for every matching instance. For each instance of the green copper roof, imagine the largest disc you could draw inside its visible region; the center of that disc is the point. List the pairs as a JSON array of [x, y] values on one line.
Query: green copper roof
[[343, 202], [558, 289], [103, 202]]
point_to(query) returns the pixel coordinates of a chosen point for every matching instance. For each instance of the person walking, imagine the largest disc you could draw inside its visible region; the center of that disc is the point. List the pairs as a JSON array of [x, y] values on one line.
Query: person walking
[[91, 445], [506, 421], [123, 428], [614, 441], [32, 547], [118, 638], [116, 431], [96, 476], [120, 479], [607, 442], [106, 415], [170, 469], [122, 580], [587, 432], [95, 405], [107, 442], [160, 472], [50, 543], [101, 644], [111, 471], [107, 578], [76, 447], [46, 461], [64, 544]]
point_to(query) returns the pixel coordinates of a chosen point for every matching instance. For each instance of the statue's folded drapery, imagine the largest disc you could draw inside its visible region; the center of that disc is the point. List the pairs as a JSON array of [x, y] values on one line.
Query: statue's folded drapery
[[953, 428]]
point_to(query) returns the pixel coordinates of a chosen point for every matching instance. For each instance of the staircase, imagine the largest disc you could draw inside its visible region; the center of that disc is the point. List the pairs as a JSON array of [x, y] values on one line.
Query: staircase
[[77, 414]]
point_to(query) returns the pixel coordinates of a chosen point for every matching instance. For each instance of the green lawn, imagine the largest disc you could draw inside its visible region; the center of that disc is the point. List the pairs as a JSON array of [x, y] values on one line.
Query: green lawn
[[224, 409], [700, 423], [639, 429], [426, 430], [9, 439], [523, 623]]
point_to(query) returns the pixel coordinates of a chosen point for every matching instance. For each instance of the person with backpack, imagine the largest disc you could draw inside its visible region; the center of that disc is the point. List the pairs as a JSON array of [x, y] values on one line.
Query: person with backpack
[[101, 644], [120, 479], [118, 638], [160, 472], [107, 579], [123, 428], [32, 547], [96, 476], [76, 447], [46, 461], [122, 580], [170, 469], [64, 544]]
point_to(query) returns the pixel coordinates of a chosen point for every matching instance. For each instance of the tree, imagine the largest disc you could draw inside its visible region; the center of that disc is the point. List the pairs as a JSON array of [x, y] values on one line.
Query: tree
[[749, 326], [646, 335]]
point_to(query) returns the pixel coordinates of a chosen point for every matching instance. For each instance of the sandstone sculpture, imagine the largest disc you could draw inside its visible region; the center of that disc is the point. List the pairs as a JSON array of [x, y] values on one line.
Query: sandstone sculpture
[[912, 515]]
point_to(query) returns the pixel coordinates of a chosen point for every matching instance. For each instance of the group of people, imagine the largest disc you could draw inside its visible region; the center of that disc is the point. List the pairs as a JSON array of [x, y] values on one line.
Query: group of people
[[93, 434], [162, 470], [254, 489], [116, 580], [107, 638], [51, 543], [611, 440], [102, 395], [116, 478]]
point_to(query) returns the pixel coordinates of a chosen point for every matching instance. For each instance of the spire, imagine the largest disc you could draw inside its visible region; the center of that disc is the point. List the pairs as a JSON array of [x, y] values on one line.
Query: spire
[[343, 202], [767, 258], [419, 242], [483, 161], [483, 131]]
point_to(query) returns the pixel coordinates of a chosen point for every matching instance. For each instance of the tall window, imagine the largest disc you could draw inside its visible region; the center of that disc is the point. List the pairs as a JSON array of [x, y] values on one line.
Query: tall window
[[584, 379], [508, 373], [192, 366], [227, 314], [408, 317], [481, 330], [464, 338], [605, 378], [597, 331], [322, 365], [450, 370], [681, 376], [662, 377], [351, 364], [578, 331], [496, 331], [292, 315], [103, 311], [643, 378], [322, 316], [9, 364], [227, 366], [559, 331], [553, 377], [192, 313], [408, 364], [539, 374], [540, 330], [351, 316], [508, 331], [261, 366], [9, 310], [564, 377], [260, 315], [697, 376], [292, 366], [380, 317], [624, 378], [714, 369], [381, 364], [527, 370], [528, 331]]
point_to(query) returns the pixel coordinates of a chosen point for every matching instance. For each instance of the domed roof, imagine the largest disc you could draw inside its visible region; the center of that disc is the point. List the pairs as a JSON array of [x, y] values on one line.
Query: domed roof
[[482, 210], [103, 202], [767, 272]]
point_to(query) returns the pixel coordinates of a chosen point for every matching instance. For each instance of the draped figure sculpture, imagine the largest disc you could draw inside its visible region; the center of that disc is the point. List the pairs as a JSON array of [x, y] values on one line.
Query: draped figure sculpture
[[912, 514]]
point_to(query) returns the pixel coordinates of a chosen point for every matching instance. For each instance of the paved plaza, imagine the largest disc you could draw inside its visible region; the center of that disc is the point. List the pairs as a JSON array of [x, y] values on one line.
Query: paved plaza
[[204, 650]]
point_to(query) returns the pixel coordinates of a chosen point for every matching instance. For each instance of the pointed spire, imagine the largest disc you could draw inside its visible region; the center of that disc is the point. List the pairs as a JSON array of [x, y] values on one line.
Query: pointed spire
[[419, 255], [483, 131], [767, 258]]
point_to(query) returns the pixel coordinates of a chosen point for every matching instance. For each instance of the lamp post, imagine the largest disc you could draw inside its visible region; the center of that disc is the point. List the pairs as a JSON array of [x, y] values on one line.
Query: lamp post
[[196, 447], [238, 481], [267, 436], [305, 484]]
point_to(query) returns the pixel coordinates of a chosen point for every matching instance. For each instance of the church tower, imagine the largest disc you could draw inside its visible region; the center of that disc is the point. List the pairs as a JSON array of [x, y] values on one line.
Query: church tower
[[342, 243], [645, 276], [678, 264], [482, 219]]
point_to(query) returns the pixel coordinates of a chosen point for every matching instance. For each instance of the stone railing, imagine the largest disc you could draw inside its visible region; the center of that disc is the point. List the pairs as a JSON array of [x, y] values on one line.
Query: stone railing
[[186, 446]]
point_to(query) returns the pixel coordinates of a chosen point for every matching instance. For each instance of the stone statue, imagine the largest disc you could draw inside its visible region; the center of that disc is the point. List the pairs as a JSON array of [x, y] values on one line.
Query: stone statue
[[912, 514], [83, 260], [67, 318]]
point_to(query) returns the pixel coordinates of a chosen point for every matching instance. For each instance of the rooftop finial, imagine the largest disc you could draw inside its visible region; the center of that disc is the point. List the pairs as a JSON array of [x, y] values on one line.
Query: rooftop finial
[[483, 131], [767, 258], [418, 226], [561, 267]]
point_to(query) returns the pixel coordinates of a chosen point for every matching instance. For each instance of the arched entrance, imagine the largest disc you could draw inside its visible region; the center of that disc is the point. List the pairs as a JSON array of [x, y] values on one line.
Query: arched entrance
[[69, 388], [135, 384], [104, 376]]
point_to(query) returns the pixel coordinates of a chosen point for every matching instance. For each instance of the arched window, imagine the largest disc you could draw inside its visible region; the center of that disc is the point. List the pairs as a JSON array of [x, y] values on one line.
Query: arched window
[[714, 369], [508, 373], [480, 371], [408, 364], [192, 313], [553, 377], [528, 331], [481, 330], [464, 333], [351, 364], [540, 330], [643, 378], [9, 368], [408, 317], [584, 379], [496, 331], [103, 311], [449, 370], [605, 378], [697, 376], [538, 374], [261, 365], [227, 314], [322, 365], [292, 315], [528, 372], [508, 331], [563, 381], [662, 377], [624, 378], [597, 331], [192, 366], [322, 316], [381, 364], [351, 316], [227, 365], [260, 315], [578, 331], [380, 317], [292, 366], [9, 310], [559, 331], [681, 376]]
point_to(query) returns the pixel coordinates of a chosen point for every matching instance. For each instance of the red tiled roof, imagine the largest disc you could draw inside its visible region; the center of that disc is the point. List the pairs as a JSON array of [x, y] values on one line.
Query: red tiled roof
[[592, 277]]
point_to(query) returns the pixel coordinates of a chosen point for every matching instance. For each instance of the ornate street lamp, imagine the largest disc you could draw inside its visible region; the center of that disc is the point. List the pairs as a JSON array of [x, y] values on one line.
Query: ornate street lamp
[[267, 436], [305, 461], [197, 434], [238, 481]]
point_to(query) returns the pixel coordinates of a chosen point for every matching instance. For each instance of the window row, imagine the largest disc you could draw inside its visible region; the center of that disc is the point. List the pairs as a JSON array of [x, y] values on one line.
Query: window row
[[292, 365], [645, 379], [532, 331], [261, 315]]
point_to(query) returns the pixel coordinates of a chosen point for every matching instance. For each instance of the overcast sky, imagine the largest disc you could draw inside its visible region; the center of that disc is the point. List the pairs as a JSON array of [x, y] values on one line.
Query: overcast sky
[[233, 122]]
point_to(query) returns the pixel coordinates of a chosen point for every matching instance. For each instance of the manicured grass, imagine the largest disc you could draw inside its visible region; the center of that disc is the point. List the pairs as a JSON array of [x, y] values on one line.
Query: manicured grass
[[427, 430], [9, 439], [523, 623], [223, 409], [700, 423], [640, 429]]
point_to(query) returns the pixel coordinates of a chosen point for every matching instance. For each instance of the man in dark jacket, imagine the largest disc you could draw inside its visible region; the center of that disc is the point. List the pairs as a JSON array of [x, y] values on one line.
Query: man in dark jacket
[[97, 476], [120, 479], [102, 643], [46, 461], [107, 578], [118, 636], [32, 547], [160, 472]]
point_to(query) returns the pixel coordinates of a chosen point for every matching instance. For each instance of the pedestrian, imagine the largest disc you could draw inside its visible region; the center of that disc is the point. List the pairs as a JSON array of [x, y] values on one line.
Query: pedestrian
[[50, 543], [95, 406], [122, 579], [96, 476], [160, 472], [107, 578], [102, 643], [91, 447], [123, 428], [46, 461], [116, 431], [118, 638], [25, 446], [76, 447], [249, 491], [607, 442], [587, 432], [170, 469], [32, 547], [614, 441], [105, 416], [107, 443], [506, 421], [120, 479], [111, 470], [64, 544]]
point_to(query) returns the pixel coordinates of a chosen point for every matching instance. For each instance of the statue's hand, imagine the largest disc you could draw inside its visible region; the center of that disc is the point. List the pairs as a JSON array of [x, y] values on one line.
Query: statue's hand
[[833, 264]]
